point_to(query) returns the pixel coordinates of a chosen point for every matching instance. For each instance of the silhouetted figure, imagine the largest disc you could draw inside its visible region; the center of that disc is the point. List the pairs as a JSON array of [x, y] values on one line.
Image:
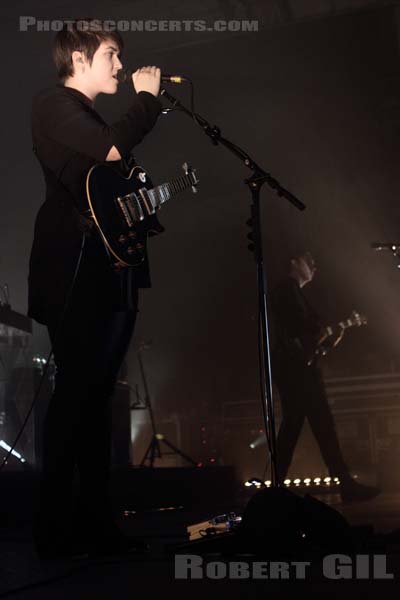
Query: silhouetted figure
[[297, 331]]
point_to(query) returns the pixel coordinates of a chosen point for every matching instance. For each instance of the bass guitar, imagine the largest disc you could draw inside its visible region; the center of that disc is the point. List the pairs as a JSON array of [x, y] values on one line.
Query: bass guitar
[[329, 340]]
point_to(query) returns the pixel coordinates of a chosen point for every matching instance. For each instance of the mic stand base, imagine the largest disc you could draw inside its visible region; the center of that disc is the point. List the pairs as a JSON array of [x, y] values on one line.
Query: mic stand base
[[154, 451]]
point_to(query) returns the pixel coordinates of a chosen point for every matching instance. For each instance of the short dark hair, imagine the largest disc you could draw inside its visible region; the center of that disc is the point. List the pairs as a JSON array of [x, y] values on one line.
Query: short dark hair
[[83, 35]]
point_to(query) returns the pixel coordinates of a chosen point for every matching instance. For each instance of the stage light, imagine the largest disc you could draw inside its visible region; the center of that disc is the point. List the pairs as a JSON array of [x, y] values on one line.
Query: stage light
[[7, 448], [254, 481], [38, 360], [259, 440], [297, 482]]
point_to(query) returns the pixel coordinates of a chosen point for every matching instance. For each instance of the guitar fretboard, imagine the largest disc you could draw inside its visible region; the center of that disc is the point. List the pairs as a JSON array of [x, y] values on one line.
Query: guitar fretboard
[[136, 207], [163, 192]]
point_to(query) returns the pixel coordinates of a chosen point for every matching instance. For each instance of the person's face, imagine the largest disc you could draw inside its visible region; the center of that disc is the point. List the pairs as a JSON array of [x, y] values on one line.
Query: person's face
[[100, 76], [305, 267]]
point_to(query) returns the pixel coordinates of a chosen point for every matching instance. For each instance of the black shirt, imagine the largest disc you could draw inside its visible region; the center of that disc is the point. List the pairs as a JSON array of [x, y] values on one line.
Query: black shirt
[[295, 325], [69, 137]]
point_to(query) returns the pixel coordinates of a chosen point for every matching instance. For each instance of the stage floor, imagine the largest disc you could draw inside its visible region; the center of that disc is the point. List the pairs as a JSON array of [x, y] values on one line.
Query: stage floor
[[25, 577]]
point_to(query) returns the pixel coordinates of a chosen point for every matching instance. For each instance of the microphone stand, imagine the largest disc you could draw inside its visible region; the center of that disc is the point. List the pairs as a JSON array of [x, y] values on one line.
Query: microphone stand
[[254, 183], [154, 449]]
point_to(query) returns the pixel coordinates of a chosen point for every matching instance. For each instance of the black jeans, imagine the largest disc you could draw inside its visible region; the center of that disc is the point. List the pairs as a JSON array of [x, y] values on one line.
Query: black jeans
[[302, 394], [88, 349]]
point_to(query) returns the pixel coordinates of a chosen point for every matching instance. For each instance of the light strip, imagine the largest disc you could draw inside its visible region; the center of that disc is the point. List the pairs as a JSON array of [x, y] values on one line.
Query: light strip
[[14, 452], [297, 482]]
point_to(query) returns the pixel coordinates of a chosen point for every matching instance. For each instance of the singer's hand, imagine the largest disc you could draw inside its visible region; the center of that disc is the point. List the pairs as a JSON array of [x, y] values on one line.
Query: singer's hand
[[147, 79]]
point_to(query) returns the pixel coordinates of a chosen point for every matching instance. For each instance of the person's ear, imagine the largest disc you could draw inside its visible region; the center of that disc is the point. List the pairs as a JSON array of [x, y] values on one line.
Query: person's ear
[[77, 58]]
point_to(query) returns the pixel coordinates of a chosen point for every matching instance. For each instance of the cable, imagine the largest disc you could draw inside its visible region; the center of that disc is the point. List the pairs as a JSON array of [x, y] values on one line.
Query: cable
[[166, 110], [60, 323]]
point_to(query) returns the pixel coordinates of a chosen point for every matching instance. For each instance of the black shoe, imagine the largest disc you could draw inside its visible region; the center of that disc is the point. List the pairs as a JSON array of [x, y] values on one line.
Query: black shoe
[[351, 491]]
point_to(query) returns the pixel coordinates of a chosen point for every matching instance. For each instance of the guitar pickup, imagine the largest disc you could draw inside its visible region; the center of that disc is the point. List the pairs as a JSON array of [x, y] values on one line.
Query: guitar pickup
[[133, 204], [125, 211], [131, 209], [147, 200]]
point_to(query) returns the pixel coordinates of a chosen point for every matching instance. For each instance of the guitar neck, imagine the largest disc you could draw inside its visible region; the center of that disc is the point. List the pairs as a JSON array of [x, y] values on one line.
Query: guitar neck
[[346, 324], [328, 330], [163, 192]]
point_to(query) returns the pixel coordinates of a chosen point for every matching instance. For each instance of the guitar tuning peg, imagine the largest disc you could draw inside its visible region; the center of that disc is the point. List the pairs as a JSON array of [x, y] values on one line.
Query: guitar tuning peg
[[186, 167]]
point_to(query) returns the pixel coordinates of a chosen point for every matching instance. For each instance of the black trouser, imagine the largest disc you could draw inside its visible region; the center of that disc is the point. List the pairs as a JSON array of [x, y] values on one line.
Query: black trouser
[[302, 394], [88, 350]]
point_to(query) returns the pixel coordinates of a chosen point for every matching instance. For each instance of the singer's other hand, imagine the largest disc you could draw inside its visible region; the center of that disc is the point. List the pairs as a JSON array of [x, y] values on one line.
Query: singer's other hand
[[147, 79]]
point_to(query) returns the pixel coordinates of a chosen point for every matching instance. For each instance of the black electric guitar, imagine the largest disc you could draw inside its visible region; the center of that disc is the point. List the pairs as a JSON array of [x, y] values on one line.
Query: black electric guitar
[[329, 339], [123, 208]]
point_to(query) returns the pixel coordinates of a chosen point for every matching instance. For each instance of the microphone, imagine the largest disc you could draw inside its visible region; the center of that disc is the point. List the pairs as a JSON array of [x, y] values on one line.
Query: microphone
[[385, 246], [125, 76]]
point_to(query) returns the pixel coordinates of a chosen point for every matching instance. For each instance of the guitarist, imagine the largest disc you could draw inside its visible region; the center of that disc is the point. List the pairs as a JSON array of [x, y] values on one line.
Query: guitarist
[[88, 306], [297, 332]]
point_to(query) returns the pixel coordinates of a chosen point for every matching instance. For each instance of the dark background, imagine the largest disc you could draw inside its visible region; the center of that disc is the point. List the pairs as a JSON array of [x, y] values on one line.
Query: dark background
[[314, 97]]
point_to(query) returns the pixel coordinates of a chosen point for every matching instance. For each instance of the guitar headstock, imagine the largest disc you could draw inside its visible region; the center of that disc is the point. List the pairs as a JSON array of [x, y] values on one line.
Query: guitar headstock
[[357, 320], [191, 173]]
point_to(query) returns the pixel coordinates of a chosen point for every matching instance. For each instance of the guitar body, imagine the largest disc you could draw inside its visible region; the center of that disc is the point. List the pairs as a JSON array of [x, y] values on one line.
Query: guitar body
[[124, 208], [104, 185]]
